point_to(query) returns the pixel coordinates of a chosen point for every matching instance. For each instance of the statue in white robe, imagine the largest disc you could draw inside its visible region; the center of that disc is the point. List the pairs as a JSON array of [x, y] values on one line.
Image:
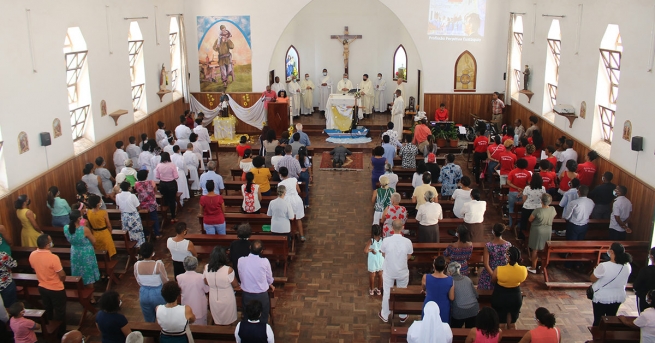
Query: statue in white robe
[[294, 93], [380, 86], [397, 113], [366, 90], [344, 85], [192, 163], [307, 91], [324, 90]]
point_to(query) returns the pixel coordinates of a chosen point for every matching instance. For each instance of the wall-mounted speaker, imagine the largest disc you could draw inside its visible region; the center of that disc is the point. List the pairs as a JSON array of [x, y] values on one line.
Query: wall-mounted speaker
[[45, 138], [637, 143], [504, 76]]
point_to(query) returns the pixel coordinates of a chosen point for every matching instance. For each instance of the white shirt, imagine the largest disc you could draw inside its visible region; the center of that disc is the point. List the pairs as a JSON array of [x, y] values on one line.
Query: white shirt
[[395, 249], [568, 154], [182, 132], [417, 180], [160, 135], [533, 200], [646, 321], [613, 292], [277, 87], [120, 157], [473, 211], [275, 160], [281, 212], [393, 180], [191, 159], [127, 202], [461, 197], [578, 211], [179, 250], [269, 332], [622, 208], [429, 214]]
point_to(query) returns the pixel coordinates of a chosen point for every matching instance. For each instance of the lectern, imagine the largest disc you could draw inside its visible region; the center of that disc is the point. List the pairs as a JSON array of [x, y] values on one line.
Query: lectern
[[278, 116]]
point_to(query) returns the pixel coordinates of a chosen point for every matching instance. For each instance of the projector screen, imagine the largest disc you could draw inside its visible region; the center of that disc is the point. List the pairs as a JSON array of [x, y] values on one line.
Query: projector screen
[[457, 20]]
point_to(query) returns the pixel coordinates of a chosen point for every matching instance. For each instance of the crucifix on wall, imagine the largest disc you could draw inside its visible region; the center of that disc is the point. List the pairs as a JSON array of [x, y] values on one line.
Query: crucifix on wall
[[346, 39]]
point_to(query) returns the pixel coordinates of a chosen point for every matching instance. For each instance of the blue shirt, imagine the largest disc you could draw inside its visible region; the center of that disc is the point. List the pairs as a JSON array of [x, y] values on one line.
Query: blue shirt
[[568, 196], [389, 152], [304, 139], [449, 177], [211, 175]]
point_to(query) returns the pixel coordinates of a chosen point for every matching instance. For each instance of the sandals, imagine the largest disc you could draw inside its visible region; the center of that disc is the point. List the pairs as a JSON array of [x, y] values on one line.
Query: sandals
[[377, 292], [371, 292], [302, 239]]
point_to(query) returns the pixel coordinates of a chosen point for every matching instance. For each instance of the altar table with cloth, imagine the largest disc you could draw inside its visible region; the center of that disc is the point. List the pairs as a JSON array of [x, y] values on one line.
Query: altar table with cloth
[[339, 111]]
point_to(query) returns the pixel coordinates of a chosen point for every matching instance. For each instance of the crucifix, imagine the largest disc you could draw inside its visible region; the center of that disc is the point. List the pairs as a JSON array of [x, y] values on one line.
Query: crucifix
[[346, 39]]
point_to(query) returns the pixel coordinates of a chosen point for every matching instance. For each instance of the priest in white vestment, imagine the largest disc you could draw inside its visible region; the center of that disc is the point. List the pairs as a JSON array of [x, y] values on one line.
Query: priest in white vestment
[[344, 85], [366, 90], [324, 90], [397, 113], [294, 93], [400, 85], [307, 90], [277, 86], [380, 86]]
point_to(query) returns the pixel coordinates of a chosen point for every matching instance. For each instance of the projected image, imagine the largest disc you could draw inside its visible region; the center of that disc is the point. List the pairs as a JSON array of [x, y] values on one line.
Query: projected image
[[457, 20]]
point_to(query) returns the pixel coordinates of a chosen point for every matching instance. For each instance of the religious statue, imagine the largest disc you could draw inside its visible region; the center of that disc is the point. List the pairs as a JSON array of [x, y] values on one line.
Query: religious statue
[[163, 79], [222, 46], [345, 40], [526, 76]]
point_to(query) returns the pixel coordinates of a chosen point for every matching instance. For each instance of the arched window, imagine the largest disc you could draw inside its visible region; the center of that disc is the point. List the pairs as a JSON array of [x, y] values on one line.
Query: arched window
[[466, 72], [137, 71], [291, 64], [607, 87], [554, 42], [174, 44], [400, 63], [77, 82], [515, 57]]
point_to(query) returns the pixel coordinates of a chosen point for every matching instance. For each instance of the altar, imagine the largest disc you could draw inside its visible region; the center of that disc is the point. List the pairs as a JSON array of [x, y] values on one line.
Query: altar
[[339, 111]]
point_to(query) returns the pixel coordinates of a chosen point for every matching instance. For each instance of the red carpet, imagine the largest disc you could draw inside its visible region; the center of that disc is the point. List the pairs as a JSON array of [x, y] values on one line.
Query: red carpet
[[353, 162]]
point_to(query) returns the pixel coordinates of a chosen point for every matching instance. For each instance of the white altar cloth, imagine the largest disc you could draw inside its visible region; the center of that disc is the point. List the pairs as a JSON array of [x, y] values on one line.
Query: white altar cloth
[[343, 104]]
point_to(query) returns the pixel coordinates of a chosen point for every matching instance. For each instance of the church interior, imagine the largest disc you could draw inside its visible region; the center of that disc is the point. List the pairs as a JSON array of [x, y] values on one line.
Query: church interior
[[109, 70]]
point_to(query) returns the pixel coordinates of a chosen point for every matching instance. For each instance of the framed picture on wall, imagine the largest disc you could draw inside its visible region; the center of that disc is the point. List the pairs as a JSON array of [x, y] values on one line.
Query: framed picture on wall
[[466, 72]]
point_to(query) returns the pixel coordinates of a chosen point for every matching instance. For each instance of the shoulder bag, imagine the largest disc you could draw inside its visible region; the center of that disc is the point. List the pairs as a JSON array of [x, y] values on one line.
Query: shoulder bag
[[591, 291]]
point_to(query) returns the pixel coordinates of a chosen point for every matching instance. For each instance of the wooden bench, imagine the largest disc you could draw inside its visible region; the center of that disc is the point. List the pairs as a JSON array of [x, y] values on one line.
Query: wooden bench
[[444, 225], [398, 160], [235, 186], [214, 333], [446, 206], [588, 252], [408, 189], [399, 334], [425, 253], [49, 328], [611, 329]]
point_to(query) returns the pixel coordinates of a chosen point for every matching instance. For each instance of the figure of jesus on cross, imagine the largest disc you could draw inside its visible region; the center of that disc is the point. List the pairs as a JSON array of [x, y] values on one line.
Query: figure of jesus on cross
[[346, 39]]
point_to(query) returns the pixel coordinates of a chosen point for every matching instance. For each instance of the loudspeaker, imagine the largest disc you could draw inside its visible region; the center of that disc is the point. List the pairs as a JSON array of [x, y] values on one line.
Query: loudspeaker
[[637, 143], [504, 76], [45, 138]]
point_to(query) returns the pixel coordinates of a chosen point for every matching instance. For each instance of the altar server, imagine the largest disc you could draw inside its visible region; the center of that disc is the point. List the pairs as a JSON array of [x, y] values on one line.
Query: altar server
[[366, 90], [380, 86], [277, 86], [294, 94], [307, 90], [324, 90], [344, 84], [182, 133], [400, 85]]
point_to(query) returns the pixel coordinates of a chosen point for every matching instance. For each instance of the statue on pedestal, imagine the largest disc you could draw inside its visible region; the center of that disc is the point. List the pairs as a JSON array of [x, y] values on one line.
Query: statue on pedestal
[[526, 76], [163, 79]]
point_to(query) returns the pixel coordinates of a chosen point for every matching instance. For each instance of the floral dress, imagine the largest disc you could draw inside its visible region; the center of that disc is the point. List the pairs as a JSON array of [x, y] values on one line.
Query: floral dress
[[461, 256], [450, 176], [409, 152], [393, 213], [497, 258], [83, 257]]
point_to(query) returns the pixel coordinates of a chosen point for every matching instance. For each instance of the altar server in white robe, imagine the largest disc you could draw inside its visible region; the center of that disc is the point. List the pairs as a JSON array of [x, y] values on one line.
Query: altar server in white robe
[[344, 85], [182, 184], [203, 135], [160, 133], [294, 93], [277, 86], [366, 90], [192, 163], [307, 90], [325, 88], [380, 86], [401, 85], [182, 133], [397, 113]]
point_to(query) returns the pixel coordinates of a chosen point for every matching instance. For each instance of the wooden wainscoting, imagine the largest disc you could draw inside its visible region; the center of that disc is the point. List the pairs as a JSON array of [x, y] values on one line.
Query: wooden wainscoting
[[460, 105], [211, 101], [68, 173], [640, 193]]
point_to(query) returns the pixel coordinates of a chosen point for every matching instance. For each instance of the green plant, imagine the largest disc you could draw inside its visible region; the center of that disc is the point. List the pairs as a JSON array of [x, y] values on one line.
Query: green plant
[[452, 134]]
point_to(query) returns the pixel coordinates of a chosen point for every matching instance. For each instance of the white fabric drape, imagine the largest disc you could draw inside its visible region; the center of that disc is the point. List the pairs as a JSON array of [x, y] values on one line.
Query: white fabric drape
[[254, 116], [510, 70], [184, 66]]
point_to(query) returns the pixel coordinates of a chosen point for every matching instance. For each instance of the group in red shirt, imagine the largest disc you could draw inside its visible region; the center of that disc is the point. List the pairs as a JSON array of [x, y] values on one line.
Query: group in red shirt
[[519, 177], [587, 170]]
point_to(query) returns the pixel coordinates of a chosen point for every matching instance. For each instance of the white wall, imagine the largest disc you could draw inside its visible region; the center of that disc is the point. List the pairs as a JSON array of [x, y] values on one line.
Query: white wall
[[31, 101], [579, 71]]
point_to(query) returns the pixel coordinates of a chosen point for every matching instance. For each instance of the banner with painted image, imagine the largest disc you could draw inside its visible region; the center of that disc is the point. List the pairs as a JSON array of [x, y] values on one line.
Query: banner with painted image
[[224, 53]]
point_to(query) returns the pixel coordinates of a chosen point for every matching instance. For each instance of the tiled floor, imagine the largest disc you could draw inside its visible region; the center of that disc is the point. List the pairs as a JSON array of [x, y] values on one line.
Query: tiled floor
[[327, 298]]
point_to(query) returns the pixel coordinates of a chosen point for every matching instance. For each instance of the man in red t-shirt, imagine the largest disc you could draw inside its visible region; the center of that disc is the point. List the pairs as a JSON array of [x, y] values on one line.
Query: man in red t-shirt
[[507, 161], [480, 152], [517, 179], [587, 170], [548, 176], [441, 114]]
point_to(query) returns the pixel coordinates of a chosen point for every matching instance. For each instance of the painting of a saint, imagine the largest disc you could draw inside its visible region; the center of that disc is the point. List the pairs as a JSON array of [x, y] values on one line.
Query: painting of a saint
[[225, 56], [627, 130], [583, 109], [56, 127], [291, 64], [103, 108], [23, 143]]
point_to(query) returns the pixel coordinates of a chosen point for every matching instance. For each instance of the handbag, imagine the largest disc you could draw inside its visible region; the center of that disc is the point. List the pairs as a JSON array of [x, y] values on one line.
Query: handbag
[[591, 291]]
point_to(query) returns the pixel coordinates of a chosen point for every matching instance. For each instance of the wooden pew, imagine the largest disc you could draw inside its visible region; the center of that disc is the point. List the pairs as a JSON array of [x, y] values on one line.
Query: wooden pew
[[588, 252], [256, 221], [408, 189], [446, 205], [234, 186], [611, 329], [399, 334], [444, 225], [425, 253], [214, 333], [49, 328], [398, 160], [75, 291], [237, 200]]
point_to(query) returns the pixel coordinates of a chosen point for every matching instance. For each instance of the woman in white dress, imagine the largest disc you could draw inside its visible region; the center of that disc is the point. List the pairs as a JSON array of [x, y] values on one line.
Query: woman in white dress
[[293, 197], [192, 163], [203, 135], [222, 283], [431, 328]]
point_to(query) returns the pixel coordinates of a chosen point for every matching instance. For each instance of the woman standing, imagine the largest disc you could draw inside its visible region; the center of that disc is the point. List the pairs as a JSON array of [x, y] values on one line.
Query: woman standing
[[439, 287], [473, 214], [166, 172], [145, 189], [130, 219], [30, 230], [245, 164], [8, 291], [495, 254], [281, 213], [377, 163], [417, 177], [252, 195], [105, 176], [93, 182], [487, 328], [194, 290], [212, 207], [113, 326], [269, 145], [262, 138], [100, 225], [531, 200], [465, 305], [609, 281], [381, 199], [541, 229], [428, 217], [83, 256], [391, 213], [262, 175], [506, 298], [388, 172], [292, 197], [6, 240], [150, 275], [222, 283], [174, 319], [432, 328], [546, 332], [59, 207], [461, 250], [180, 248], [305, 175]]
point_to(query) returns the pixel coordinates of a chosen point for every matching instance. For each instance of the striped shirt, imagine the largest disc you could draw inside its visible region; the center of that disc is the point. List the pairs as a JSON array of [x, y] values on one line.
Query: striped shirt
[[291, 164]]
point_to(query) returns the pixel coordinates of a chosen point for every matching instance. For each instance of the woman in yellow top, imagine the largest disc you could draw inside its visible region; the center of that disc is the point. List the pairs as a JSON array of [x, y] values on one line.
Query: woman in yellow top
[[262, 175], [506, 298], [30, 231], [100, 226]]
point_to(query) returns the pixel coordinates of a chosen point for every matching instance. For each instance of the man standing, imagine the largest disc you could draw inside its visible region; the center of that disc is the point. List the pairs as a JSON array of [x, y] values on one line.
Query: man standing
[[389, 149], [567, 154], [182, 133], [324, 91], [296, 144], [587, 170], [256, 278], [419, 192], [344, 84], [133, 152], [289, 161], [307, 89], [210, 174], [400, 86], [533, 126], [380, 87], [304, 139], [396, 250], [268, 95], [421, 133], [519, 132], [602, 195], [120, 156], [366, 90], [620, 215], [497, 107], [577, 215], [51, 276], [397, 113], [277, 86], [294, 94]]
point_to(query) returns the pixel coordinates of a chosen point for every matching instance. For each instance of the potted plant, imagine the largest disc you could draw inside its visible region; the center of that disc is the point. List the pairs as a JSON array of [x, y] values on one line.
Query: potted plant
[[453, 137], [440, 136]]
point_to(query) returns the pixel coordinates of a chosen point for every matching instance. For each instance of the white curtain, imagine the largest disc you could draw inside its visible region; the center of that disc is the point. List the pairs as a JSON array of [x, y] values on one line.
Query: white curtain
[[184, 67], [254, 116], [510, 70]]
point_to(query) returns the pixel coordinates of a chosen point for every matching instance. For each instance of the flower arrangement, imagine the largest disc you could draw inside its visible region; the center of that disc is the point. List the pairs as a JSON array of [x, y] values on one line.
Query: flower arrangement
[[290, 129], [358, 94]]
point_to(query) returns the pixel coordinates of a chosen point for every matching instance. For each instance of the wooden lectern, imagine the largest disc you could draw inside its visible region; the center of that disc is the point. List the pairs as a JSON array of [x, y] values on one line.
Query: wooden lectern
[[278, 116]]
